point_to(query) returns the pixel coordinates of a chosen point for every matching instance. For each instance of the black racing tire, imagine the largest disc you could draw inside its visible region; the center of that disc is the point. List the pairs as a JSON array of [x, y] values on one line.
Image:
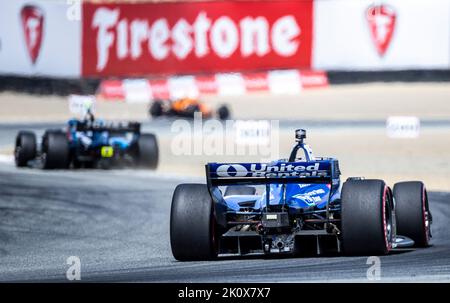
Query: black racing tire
[[412, 212], [156, 108], [240, 190], [193, 230], [25, 148], [223, 112], [147, 151], [55, 150], [366, 218]]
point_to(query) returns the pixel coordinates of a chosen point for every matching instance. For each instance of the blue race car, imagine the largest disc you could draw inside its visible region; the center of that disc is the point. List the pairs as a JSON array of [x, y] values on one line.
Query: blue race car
[[295, 206], [88, 143]]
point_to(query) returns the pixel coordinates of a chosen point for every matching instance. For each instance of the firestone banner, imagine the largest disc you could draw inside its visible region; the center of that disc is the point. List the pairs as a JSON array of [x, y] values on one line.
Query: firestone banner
[[158, 38]]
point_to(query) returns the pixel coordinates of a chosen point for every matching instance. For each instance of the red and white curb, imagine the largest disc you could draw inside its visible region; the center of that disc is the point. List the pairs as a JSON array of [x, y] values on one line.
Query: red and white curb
[[279, 82]]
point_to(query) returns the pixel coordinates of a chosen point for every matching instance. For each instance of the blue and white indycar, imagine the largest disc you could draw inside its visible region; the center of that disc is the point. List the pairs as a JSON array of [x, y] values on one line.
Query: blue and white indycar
[[295, 206], [88, 143]]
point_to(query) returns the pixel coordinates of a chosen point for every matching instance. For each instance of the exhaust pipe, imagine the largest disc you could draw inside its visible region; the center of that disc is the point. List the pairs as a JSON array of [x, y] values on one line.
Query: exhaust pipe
[[280, 244]]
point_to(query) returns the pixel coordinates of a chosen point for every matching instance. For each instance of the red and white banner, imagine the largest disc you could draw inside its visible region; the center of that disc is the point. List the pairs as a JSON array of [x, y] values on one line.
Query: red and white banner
[[235, 84], [192, 37]]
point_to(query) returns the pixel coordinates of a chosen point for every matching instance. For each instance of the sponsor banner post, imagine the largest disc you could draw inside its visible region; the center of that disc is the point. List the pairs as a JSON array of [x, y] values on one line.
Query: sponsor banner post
[[135, 39]]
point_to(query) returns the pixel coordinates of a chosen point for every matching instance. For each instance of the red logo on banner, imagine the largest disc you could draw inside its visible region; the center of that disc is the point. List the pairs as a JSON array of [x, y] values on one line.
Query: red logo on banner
[[33, 25], [381, 19], [165, 38]]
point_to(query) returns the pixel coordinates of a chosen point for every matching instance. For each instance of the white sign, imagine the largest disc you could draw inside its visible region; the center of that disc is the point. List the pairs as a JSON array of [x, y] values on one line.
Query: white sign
[[403, 127], [79, 105], [252, 132], [183, 87]]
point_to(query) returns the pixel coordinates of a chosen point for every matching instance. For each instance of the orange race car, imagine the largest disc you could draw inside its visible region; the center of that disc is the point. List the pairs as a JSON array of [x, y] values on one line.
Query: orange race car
[[186, 108]]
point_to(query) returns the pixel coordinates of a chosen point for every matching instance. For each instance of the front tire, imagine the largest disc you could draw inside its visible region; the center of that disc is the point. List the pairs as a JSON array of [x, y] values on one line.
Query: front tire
[[55, 150], [25, 148], [412, 212], [366, 218], [192, 224], [148, 152]]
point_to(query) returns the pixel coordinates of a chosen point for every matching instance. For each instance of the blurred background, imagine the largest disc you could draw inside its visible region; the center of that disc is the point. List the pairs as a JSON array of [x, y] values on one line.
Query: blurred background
[[367, 79]]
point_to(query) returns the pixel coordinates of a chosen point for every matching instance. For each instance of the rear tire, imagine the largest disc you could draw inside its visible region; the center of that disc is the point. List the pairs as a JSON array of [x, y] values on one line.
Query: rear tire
[[366, 218], [412, 212], [148, 152], [25, 148], [239, 190], [55, 150], [192, 224]]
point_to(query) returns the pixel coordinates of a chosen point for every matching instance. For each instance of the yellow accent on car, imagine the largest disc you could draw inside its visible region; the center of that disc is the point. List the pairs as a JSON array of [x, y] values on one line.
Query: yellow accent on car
[[107, 151]]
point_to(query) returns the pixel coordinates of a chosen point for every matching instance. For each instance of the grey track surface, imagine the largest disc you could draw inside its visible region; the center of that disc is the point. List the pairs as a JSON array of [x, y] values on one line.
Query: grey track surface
[[117, 222]]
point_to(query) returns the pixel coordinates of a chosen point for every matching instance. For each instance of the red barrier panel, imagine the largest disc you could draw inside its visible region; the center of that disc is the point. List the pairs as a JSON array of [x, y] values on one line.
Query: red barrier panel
[[195, 37]]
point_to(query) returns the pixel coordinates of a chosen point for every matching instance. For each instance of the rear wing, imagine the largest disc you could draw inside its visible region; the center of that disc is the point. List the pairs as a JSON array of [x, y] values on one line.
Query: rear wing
[[318, 171], [134, 127]]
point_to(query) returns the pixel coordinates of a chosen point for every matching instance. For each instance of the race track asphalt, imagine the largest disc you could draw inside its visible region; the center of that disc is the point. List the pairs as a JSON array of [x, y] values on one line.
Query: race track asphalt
[[117, 223]]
